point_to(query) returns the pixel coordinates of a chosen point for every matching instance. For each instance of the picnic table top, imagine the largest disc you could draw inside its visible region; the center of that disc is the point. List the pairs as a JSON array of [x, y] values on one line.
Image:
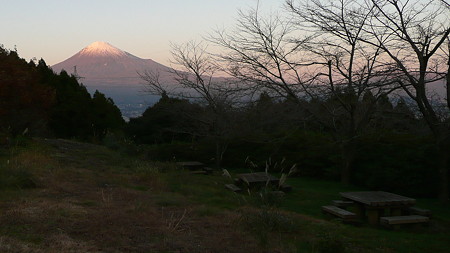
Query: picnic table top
[[190, 163], [378, 198], [257, 177]]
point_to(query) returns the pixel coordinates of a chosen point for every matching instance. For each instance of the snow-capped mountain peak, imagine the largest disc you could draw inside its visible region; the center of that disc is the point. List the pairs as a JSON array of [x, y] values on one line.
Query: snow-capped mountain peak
[[100, 48], [102, 63]]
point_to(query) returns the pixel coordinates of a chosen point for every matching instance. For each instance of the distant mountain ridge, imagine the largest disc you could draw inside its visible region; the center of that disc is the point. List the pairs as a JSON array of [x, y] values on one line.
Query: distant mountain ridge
[[100, 63]]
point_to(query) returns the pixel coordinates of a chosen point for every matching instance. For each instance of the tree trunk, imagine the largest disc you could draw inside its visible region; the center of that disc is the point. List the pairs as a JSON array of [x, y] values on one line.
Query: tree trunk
[[348, 150], [221, 147], [444, 154], [444, 149]]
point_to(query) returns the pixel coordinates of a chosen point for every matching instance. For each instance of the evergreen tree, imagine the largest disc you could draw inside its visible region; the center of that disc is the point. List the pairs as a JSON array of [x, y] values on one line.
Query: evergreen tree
[[24, 101], [106, 116], [33, 97]]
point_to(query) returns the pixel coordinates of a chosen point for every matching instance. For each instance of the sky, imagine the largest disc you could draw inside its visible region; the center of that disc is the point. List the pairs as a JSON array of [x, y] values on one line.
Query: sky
[[56, 29]]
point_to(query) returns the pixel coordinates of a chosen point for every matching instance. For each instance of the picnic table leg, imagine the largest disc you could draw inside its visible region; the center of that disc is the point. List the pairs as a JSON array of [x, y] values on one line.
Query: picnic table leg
[[359, 210], [373, 216], [396, 211]]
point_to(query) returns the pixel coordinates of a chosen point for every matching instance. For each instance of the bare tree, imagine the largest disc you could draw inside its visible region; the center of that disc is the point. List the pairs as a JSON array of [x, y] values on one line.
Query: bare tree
[[415, 37], [194, 73], [351, 71], [328, 64], [261, 54]]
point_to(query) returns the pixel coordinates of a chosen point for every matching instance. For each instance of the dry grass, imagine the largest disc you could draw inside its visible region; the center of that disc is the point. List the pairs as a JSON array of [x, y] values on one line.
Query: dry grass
[[90, 200]]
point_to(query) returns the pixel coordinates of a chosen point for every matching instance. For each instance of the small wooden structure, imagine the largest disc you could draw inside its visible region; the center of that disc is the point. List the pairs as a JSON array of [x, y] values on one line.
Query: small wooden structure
[[419, 211], [374, 204], [339, 212], [401, 220], [256, 179], [378, 198], [233, 188]]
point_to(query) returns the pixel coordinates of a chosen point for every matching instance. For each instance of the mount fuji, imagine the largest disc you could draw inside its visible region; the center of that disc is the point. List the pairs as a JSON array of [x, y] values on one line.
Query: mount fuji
[[114, 72]]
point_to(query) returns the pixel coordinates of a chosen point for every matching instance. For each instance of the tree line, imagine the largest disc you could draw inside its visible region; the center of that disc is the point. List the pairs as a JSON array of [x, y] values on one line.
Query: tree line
[[36, 101]]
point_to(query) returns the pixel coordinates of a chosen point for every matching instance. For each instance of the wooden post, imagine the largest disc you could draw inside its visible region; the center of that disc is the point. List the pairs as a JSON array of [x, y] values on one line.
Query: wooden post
[[373, 216], [358, 209], [396, 211]]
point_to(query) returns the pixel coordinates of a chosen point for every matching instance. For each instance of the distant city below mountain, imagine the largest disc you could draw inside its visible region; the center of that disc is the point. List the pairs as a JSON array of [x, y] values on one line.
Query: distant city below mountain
[[114, 72]]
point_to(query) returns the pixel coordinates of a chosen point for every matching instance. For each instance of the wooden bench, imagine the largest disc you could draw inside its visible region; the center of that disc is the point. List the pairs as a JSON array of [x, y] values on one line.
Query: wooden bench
[[343, 203], [419, 211], [233, 188], [400, 220], [339, 212]]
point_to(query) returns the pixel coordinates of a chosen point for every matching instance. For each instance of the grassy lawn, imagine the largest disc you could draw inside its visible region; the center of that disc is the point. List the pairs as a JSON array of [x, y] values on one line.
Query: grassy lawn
[[64, 196]]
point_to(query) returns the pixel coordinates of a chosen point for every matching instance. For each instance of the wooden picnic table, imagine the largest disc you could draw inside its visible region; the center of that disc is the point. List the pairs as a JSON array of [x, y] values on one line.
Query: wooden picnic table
[[375, 204], [257, 179]]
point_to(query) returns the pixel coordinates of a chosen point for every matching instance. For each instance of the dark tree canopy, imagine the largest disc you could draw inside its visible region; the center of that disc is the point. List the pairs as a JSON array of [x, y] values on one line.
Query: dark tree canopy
[[24, 101], [35, 99]]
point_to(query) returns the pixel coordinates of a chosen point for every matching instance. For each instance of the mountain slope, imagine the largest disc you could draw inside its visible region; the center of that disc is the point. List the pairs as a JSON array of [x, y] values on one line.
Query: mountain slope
[[103, 64], [114, 72]]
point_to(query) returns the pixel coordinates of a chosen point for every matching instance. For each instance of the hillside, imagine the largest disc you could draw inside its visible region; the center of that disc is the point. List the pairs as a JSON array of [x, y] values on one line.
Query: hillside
[[89, 199], [77, 197]]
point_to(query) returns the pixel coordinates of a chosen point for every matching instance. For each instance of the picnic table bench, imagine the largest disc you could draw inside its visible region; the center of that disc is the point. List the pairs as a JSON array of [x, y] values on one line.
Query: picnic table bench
[[233, 188], [339, 212], [400, 220], [419, 211]]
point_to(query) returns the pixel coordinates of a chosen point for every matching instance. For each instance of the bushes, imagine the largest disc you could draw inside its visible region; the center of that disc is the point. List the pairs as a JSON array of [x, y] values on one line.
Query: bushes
[[180, 151], [313, 153], [400, 163], [403, 164], [393, 154]]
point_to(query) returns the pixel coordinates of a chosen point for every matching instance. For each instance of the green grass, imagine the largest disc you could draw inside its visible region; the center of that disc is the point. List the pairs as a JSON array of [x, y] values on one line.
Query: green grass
[[318, 233], [296, 224], [203, 189], [309, 194], [439, 210]]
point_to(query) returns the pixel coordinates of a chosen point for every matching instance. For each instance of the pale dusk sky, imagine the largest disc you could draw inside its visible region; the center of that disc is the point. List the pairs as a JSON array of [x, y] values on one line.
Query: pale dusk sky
[[56, 29]]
